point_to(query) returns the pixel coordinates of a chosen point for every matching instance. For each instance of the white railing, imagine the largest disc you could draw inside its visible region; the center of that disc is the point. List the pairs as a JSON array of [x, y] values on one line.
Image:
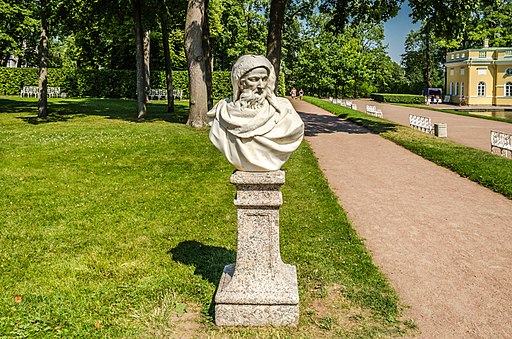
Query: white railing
[[372, 110], [420, 123], [341, 102], [503, 142], [161, 94]]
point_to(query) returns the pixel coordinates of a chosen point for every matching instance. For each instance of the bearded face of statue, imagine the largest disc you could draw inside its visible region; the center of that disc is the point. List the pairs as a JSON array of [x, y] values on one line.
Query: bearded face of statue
[[254, 87]]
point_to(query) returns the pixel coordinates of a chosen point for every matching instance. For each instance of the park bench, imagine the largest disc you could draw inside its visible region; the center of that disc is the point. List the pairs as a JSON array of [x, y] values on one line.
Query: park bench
[[421, 123], [29, 91], [54, 92], [33, 91], [372, 110], [161, 94], [502, 142]]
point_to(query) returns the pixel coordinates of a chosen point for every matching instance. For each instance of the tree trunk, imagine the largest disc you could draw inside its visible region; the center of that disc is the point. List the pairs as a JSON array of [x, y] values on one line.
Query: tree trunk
[[208, 54], [275, 35], [147, 78], [197, 62], [42, 103], [168, 68], [141, 82], [428, 58]]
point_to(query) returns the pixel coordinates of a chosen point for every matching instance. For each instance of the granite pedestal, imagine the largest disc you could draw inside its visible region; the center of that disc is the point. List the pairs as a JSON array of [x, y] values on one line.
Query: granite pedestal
[[259, 289]]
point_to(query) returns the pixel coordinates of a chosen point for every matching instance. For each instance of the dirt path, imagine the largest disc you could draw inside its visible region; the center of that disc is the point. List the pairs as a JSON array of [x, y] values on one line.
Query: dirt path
[[444, 242], [469, 131]]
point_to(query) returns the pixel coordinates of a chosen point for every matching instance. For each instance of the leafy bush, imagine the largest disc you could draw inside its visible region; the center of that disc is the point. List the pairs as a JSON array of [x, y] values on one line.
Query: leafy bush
[[102, 83], [398, 98]]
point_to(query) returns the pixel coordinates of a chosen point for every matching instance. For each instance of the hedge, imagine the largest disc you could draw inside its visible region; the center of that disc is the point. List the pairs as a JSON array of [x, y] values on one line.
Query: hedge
[[398, 98], [102, 83]]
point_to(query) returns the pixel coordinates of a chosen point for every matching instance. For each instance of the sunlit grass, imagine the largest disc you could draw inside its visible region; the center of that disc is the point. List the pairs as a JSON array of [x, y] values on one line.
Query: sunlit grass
[[117, 228]]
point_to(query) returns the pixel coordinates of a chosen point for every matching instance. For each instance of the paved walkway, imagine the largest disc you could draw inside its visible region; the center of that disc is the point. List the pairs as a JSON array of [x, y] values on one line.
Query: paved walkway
[[444, 242], [469, 131]]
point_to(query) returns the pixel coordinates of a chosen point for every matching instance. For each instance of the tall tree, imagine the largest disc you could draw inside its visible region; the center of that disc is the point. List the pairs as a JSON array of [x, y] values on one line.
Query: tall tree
[[275, 34], [167, 59], [19, 22], [42, 104], [345, 12], [197, 61], [141, 73]]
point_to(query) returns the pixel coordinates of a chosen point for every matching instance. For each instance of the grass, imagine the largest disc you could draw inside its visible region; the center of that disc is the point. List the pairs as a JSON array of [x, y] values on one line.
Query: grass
[[489, 170], [118, 228]]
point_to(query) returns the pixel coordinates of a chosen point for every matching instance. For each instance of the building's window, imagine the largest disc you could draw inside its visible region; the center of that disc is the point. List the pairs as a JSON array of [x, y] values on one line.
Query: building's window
[[456, 88], [452, 56], [508, 89], [483, 54], [482, 71], [458, 55], [462, 71], [463, 55], [508, 52], [461, 89], [451, 88], [451, 71], [508, 71], [481, 89]]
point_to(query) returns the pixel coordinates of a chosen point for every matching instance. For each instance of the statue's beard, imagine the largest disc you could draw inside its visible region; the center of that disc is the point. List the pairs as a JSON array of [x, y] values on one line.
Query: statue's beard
[[253, 99]]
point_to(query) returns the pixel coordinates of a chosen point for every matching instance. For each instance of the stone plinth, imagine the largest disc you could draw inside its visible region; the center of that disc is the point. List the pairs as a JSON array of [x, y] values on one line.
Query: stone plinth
[[259, 289]]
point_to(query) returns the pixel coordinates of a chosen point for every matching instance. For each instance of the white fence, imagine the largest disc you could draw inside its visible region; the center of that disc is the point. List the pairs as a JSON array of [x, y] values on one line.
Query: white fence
[[420, 123], [503, 142], [161, 94], [372, 110]]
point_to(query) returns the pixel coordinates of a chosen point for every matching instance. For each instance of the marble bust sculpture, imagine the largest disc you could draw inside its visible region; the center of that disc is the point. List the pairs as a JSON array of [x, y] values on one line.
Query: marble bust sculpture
[[255, 130]]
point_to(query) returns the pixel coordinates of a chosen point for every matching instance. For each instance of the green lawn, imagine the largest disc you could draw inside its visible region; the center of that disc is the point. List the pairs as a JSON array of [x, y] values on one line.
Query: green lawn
[[116, 228], [489, 170]]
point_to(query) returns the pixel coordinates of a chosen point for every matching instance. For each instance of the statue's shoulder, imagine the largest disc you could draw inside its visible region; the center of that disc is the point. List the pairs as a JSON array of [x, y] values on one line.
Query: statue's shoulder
[[221, 104], [284, 103]]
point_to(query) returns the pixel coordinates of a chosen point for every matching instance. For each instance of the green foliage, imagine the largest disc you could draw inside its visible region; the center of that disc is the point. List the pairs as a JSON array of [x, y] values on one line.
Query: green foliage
[[487, 169], [102, 83], [239, 27], [112, 227], [18, 22], [342, 12], [398, 98], [348, 64]]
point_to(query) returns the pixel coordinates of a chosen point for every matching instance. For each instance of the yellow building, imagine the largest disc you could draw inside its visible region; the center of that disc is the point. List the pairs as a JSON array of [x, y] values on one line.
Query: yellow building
[[480, 76]]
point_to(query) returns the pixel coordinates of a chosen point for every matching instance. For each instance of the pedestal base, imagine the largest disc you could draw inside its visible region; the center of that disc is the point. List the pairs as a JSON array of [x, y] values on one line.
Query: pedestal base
[[256, 315], [261, 305]]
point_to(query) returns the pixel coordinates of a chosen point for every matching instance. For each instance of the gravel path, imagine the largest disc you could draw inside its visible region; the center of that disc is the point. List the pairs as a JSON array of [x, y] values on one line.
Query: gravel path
[[444, 242]]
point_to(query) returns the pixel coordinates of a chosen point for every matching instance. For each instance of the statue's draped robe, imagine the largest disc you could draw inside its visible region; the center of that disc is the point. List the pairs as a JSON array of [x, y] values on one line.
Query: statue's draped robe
[[256, 140]]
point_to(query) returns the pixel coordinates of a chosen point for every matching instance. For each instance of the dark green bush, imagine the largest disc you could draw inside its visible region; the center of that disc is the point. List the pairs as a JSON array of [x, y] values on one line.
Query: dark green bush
[[398, 98], [102, 83]]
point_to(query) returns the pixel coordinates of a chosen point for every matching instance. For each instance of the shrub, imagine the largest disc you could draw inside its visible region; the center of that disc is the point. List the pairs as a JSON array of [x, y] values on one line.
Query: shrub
[[398, 98], [102, 83]]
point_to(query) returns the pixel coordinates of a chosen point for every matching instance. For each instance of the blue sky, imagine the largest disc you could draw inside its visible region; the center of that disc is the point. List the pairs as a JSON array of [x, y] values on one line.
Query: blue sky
[[396, 30]]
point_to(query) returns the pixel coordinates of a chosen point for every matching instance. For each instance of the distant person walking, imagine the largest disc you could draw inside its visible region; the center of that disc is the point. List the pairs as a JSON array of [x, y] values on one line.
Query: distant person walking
[[293, 93], [301, 93]]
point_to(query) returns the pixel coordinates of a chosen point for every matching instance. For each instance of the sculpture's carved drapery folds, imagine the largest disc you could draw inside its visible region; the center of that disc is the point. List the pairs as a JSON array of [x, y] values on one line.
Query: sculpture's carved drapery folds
[[255, 130]]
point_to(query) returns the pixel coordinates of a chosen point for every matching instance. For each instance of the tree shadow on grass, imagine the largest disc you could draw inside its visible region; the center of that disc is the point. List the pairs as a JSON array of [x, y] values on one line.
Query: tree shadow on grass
[[61, 110], [209, 262]]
